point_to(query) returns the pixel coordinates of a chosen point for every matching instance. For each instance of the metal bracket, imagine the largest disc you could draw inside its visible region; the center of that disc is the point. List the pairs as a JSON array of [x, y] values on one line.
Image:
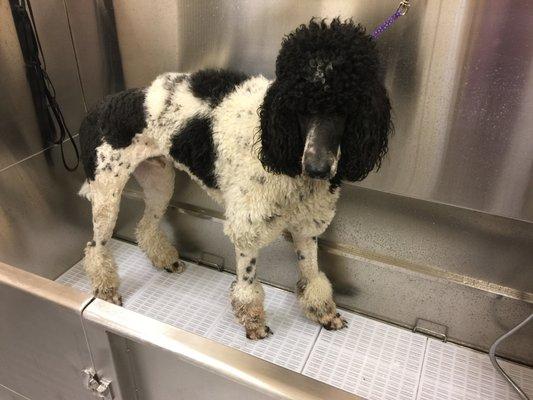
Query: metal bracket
[[101, 387], [431, 329], [205, 259]]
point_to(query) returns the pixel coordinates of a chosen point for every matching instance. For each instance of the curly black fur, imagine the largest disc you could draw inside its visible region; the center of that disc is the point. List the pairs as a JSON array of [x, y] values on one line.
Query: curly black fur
[[90, 139], [115, 120], [326, 69], [213, 85], [193, 147]]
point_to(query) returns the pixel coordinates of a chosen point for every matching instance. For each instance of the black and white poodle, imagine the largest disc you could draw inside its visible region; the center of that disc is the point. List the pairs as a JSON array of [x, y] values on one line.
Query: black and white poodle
[[272, 152]]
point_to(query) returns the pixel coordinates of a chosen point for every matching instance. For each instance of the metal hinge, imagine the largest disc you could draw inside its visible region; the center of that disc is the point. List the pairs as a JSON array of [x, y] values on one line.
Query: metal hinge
[[101, 387], [205, 259], [431, 329]]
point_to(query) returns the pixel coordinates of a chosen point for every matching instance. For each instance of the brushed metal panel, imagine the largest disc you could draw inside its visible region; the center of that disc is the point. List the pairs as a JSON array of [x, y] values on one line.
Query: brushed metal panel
[[469, 142], [20, 136], [405, 230], [97, 49], [44, 225], [156, 372], [7, 394], [470, 243], [459, 75], [156, 354], [42, 344]]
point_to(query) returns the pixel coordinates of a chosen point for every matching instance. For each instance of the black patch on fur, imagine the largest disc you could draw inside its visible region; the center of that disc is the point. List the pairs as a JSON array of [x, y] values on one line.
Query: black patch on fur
[[115, 120], [253, 261], [249, 268], [212, 85], [300, 255], [193, 147]]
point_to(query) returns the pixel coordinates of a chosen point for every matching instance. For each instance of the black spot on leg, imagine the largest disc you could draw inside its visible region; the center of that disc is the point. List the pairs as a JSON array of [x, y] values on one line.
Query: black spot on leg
[[253, 261], [249, 268], [314, 238], [243, 255], [103, 242], [261, 179], [92, 243], [300, 255], [245, 277]]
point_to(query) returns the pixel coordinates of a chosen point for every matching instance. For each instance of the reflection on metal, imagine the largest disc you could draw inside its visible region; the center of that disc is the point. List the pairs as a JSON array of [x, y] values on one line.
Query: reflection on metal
[[44, 225], [461, 94], [42, 344]]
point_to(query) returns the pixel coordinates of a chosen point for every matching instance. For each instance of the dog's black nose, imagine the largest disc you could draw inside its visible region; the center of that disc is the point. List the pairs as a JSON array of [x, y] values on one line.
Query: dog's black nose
[[317, 170]]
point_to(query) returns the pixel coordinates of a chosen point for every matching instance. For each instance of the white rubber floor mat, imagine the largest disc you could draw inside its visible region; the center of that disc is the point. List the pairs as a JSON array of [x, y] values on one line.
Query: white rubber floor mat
[[293, 336], [452, 372], [134, 269], [193, 300], [371, 359], [198, 301]]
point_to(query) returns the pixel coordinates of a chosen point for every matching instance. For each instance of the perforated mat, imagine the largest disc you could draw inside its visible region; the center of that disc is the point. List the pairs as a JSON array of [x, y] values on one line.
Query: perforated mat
[[197, 301], [452, 372], [370, 358]]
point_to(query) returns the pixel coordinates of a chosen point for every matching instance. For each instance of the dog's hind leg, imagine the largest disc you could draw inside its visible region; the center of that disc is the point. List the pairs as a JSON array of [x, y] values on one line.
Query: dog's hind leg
[[314, 291], [156, 177], [247, 297], [104, 193]]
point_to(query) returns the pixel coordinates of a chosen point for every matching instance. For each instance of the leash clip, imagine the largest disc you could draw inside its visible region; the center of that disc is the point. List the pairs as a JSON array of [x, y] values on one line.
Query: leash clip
[[403, 8]]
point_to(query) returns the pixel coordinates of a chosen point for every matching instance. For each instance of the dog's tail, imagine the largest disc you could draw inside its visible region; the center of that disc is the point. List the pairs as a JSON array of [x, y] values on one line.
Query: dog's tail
[[85, 190]]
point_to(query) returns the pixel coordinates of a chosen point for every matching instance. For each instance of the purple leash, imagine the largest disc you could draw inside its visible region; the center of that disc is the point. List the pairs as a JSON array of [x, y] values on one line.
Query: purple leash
[[400, 11]]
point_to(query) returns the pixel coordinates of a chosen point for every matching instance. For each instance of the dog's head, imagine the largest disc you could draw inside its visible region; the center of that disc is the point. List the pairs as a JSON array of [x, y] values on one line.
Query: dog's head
[[327, 114]]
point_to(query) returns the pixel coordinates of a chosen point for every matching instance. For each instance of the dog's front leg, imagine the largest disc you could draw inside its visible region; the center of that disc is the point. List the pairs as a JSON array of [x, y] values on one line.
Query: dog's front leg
[[314, 289], [247, 296]]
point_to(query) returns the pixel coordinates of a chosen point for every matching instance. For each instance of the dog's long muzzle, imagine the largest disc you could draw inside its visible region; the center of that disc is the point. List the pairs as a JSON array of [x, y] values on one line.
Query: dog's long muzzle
[[322, 146]]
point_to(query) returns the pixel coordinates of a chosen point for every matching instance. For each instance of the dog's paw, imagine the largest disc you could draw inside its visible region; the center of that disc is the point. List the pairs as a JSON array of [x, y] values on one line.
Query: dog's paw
[[109, 294], [259, 333], [178, 267], [336, 323]]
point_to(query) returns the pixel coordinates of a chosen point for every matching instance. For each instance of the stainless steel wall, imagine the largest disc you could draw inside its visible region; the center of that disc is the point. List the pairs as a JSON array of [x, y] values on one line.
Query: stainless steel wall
[[459, 73], [43, 224]]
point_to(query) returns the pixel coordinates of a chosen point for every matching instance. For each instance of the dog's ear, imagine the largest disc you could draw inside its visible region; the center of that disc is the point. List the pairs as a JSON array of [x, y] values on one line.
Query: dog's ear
[[364, 142], [282, 144]]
